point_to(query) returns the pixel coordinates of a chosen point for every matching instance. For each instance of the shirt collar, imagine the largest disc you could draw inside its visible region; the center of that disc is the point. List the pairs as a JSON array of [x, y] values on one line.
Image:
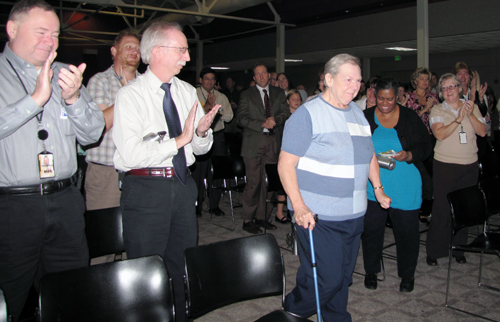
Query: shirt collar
[[263, 88], [447, 106], [154, 82]]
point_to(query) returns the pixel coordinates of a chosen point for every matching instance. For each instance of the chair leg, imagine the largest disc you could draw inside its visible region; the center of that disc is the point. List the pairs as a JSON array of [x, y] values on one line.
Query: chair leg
[[491, 288], [448, 281], [233, 226]]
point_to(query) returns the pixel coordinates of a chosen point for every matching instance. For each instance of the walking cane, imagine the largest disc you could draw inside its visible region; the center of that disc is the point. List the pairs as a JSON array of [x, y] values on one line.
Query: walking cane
[[315, 273]]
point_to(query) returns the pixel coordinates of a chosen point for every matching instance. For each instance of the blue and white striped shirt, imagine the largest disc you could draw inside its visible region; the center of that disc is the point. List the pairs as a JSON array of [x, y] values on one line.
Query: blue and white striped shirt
[[335, 150]]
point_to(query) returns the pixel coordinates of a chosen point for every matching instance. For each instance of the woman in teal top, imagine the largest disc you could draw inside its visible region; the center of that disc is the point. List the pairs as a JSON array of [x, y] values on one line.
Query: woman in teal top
[[395, 127]]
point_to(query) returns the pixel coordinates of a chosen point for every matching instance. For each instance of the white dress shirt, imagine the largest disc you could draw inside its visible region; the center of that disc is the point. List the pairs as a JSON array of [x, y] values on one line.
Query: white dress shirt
[[139, 111]]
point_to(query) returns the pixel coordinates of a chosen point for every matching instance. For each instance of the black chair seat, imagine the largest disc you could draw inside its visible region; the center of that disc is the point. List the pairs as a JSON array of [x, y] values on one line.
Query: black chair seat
[[486, 243], [281, 316], [131, 290]]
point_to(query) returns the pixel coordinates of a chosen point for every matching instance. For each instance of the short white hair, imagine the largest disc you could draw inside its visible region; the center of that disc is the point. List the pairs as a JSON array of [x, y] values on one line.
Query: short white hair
[[155, 35]]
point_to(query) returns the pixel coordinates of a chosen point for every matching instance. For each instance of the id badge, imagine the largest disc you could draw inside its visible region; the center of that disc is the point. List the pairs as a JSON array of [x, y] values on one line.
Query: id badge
[[463, 137], [46, 165]]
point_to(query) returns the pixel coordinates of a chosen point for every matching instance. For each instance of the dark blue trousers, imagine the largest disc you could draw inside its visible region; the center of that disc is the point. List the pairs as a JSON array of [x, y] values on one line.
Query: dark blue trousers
[[39, 235], [336, 248], [159, 219]]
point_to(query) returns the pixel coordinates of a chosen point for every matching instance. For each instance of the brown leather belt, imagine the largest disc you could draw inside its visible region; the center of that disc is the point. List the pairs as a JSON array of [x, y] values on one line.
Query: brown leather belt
[[45, 188], [153, 172]]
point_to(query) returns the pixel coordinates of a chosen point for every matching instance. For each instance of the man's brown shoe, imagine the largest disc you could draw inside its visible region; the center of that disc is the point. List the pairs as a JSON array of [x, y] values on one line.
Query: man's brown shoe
[[265, 224], [251, 227]]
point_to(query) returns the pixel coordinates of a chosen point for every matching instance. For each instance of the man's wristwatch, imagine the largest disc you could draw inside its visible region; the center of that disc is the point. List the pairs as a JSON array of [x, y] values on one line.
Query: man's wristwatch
[[204, 134]]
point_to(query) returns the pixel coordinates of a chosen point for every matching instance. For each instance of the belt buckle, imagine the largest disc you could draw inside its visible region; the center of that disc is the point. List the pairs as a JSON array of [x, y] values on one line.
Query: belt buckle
[[164, 172], [41, 189]]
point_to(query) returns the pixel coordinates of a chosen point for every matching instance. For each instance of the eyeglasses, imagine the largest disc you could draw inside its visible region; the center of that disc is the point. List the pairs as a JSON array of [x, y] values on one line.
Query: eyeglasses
[[180, 50], [449, 88]]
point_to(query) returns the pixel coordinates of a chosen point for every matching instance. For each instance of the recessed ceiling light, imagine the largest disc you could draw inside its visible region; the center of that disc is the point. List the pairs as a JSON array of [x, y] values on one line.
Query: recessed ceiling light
[[293, 60], [401, 48], [219, 67]]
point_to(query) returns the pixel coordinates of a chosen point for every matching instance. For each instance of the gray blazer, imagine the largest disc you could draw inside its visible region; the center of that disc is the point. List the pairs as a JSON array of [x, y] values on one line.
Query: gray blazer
[[251, 114]]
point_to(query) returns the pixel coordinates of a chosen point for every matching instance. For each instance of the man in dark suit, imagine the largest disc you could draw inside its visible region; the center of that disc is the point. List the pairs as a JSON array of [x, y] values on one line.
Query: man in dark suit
[[262, 113]]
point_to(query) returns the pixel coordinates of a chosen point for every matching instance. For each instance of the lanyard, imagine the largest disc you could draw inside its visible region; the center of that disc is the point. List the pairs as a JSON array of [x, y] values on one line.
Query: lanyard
[[42, 133]]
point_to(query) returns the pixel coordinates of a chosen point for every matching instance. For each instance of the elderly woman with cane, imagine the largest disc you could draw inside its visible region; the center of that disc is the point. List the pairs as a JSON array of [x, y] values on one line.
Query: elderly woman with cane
[[326, 159]]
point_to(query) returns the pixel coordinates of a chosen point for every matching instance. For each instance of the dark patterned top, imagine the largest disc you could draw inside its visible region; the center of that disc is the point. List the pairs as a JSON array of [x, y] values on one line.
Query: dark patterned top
[[415, 105]]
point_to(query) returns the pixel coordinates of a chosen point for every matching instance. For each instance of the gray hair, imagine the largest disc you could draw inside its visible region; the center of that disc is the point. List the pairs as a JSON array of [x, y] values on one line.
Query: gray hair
[[333, 65], [444, 78], [154, 36]]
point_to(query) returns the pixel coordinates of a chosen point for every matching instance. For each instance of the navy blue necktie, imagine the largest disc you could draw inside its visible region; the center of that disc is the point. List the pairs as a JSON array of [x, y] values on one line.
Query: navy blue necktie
[[174, 130]]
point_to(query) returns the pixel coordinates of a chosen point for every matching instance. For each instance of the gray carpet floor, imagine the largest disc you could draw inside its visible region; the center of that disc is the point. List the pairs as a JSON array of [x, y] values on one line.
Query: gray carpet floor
[[425, 303]]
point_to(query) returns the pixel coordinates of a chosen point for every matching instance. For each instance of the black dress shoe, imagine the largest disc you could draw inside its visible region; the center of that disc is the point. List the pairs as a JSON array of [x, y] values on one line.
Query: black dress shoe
[[283, 220], [406, 285], [216, 211], [461, 259], [371, 281], [251, 227], [431, 261], [265, 224]]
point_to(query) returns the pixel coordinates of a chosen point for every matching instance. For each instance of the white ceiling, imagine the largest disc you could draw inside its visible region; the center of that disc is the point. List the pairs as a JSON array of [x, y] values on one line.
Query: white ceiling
[[475, 41]]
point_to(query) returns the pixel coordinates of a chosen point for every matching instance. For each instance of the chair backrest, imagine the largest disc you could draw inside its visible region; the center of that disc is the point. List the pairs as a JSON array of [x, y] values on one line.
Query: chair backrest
[[231, 271], [491, 188], [3, 307], [131, 290], [468, 207], [104, 231], [228, 167], [273, 182], [489, 165]]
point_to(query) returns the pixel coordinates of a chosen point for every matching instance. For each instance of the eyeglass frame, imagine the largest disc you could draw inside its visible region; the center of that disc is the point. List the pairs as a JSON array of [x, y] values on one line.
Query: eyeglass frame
[[449, 88], [181, 50]]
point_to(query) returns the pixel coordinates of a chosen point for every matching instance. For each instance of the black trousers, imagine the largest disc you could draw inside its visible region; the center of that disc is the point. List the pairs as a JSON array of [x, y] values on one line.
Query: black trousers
[[39, 235], [159, 219], [448, 177], [405, 228]]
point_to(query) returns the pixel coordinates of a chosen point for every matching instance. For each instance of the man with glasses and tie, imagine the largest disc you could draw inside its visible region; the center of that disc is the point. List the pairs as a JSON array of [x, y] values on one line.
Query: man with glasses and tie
[[262, 113], [158, 194]]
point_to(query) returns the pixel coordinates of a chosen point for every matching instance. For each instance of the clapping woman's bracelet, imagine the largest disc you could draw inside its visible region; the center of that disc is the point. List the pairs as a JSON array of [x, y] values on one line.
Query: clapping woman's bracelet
[[381, 187], [457, 122]]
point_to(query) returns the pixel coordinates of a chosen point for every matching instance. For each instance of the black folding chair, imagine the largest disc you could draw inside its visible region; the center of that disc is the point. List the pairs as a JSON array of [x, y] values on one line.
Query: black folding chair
[[104, 232], [236, 270], [130, 290], [229, 168], [3, 307], [468, 209]]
